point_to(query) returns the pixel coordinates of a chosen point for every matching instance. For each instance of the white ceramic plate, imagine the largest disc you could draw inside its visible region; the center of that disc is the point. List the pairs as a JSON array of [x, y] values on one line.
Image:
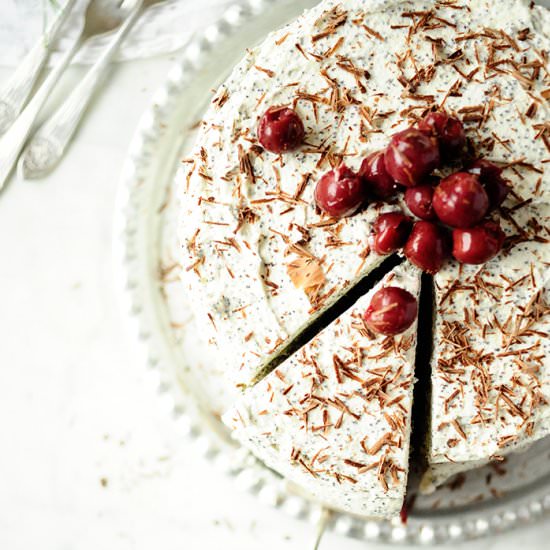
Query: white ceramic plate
[[486, 500]]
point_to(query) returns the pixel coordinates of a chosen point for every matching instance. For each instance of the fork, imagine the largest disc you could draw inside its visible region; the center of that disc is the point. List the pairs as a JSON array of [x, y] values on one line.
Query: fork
[[48, 145], [97, 20], [16, 91]]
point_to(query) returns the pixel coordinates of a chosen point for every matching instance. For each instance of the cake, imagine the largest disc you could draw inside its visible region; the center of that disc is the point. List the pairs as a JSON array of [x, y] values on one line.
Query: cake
[[359, 132], [335, 418]]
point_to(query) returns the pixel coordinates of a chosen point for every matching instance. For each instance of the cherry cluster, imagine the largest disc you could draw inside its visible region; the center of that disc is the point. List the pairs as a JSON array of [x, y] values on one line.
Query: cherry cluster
[[448, 210], [449, 213]]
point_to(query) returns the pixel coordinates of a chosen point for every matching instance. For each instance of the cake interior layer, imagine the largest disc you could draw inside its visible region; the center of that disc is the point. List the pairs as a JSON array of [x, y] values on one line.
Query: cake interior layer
[[330, 314]]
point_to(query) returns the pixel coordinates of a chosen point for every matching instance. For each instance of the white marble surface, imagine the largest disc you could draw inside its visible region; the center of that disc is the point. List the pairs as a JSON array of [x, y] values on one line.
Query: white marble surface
[[89, 458]]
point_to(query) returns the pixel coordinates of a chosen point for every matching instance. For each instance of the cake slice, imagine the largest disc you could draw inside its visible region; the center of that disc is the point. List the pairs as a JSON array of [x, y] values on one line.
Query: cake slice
[[335, 418], [491, 355]]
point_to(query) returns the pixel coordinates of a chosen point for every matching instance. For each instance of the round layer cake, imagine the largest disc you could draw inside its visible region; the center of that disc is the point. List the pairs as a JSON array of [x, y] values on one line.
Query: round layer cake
[[265, 259]]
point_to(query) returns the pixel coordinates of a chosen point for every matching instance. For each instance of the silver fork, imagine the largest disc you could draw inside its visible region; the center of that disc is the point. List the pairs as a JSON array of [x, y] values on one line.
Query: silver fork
[[98, 19], [48, 145], [16, 90]]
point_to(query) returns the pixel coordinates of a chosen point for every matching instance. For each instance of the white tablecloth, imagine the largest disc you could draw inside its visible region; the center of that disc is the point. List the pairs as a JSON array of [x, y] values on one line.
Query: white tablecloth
[[89, 457]]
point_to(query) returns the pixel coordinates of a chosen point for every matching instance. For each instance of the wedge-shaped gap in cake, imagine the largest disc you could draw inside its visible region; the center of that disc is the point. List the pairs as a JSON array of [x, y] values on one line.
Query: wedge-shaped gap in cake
[[422, 389], [330, 314], [334, 418]]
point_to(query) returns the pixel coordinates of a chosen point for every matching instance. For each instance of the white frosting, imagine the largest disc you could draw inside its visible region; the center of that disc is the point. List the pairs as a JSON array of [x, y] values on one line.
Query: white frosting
[[325, 450], [498, 390]]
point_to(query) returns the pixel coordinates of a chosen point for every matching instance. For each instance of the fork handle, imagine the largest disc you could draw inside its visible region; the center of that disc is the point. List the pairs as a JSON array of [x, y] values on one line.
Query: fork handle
[[14, 139], [17, 89], [47, 146]]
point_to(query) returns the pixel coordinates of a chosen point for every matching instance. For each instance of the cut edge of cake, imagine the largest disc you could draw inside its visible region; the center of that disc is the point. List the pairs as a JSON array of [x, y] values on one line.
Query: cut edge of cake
[[332, 310]]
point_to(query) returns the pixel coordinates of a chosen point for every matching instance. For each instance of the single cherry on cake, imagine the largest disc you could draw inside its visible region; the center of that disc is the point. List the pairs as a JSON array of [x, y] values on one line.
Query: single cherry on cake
[[419, 201], [460, 200], [391, 310], [427, 246], [280, 130], [448, 131], [479, 244], [490, 176], [379, 182], [410, 156], [340, 192], [391, 231]]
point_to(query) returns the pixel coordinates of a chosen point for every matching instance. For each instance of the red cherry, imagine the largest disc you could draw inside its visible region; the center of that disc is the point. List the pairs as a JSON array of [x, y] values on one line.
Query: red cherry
[[479, 244], [373, 170], [391, 310], [490, 176], [391, 231], [460, 200], [419, 201], [340, 192], [280, 130], [427, 246], [448, 131], [411, 156]]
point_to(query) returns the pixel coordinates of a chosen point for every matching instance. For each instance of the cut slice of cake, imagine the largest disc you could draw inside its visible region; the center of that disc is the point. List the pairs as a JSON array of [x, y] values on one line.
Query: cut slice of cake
[[335, 418], [491, 355]]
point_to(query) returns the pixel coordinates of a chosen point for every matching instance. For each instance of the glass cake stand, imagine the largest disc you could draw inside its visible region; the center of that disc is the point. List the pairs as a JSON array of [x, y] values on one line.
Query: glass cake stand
[[484, 501]]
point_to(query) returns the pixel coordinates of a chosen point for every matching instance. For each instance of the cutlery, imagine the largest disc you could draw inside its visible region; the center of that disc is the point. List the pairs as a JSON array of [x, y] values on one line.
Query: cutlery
[[16, 91], [46, 148], [98, 19]]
